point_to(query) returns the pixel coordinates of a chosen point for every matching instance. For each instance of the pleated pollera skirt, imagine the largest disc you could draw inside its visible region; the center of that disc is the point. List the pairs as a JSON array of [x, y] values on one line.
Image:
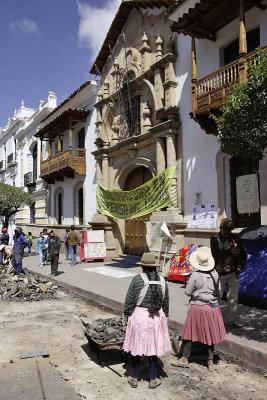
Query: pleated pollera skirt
[[147, 334], [204, 324]]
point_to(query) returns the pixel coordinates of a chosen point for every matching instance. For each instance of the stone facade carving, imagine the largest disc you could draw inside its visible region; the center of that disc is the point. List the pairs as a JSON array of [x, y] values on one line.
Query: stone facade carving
[[142, 66]]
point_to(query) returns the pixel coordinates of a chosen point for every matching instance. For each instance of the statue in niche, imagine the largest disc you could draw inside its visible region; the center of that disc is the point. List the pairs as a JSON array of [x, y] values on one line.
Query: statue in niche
[[146, 114]]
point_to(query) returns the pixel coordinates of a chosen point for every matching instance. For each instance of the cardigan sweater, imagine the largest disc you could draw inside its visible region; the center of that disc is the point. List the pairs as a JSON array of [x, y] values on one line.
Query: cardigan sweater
[[135, 288]]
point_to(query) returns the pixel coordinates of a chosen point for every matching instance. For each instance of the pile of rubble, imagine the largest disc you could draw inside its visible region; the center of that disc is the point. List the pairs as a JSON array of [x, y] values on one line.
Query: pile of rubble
[[110, 330], [24, 287]]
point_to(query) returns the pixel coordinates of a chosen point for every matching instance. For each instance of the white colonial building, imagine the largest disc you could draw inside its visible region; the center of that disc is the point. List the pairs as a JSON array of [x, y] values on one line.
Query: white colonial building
[[66, 163], [215, 40], [19, 158]]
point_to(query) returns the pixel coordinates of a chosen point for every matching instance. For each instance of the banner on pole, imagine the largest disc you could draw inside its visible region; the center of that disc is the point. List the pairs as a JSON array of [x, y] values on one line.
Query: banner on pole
[[151, 196]]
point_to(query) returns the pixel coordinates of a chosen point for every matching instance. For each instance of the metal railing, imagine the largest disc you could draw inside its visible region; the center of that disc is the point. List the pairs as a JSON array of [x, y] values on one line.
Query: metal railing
[[28, 179]]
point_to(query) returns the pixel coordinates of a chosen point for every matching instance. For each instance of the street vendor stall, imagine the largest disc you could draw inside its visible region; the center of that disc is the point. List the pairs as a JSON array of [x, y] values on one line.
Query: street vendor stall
[[179, 266]]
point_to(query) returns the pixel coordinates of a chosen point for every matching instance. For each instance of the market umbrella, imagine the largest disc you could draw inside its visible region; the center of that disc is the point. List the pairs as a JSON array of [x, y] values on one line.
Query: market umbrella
[[180, 267]]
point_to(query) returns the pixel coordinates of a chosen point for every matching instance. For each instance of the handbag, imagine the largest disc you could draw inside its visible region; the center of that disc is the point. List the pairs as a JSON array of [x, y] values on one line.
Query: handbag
[[177, 345]]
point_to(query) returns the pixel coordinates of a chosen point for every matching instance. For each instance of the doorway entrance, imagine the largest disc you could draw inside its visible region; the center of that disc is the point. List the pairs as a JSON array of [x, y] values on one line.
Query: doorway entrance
[[80, 206], [59, 209], [135, 228]]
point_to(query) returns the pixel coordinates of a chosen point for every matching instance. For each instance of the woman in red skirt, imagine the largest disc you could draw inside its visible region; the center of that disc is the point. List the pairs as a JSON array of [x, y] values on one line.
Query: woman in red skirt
[[204, 322]]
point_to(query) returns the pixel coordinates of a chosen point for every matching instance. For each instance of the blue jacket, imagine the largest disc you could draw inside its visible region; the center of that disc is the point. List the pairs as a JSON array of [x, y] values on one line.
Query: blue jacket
[[19, 243], [40, 244], [4, 239]]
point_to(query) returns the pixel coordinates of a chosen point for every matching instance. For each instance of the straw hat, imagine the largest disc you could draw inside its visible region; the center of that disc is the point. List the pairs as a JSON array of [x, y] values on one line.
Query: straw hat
[[148, 260], [202, 259]]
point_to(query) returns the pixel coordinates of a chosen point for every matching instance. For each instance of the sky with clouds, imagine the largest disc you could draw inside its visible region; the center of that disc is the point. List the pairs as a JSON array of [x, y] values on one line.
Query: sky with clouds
[[48, 46]]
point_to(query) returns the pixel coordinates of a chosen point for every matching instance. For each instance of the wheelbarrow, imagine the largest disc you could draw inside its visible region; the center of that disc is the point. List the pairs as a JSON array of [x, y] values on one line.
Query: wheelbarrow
[[98, 348]]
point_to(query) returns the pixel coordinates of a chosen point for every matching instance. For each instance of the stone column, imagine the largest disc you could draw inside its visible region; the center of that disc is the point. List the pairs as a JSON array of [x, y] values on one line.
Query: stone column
[[41, 152], [160, 155], [159, 87], [99, 171], [105, 168], [171, 160]]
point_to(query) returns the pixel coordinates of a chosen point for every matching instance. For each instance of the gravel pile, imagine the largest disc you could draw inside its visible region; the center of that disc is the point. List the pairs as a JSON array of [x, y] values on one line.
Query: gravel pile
[[24, 287], [110, 330]]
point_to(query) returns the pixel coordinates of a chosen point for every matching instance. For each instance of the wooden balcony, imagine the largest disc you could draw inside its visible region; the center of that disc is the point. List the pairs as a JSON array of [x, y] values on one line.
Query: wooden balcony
[[64, 164], [209, 93]]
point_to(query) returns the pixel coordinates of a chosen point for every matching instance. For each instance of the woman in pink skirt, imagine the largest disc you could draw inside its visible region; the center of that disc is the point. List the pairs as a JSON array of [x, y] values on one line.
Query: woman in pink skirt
[[146, 307], [204, 322]]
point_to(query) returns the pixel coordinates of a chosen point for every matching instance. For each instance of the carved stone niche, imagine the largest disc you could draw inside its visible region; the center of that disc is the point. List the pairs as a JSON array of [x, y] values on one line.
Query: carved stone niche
[[133, 61], [116, 130]]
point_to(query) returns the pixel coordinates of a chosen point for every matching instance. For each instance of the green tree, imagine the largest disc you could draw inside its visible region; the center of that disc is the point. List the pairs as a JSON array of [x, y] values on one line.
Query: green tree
[[11, 200], [242, 125]]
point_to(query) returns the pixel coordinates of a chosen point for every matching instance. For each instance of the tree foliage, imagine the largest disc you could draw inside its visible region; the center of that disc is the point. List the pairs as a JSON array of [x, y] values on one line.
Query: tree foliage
[[242, 126], [11, 200]]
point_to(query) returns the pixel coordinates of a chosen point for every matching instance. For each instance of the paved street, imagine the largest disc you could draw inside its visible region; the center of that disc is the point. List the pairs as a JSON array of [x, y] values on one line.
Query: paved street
[[108, 283]]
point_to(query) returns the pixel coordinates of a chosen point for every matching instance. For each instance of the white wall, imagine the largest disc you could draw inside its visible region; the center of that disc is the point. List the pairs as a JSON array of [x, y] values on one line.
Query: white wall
[[200, 149], [90, 180]]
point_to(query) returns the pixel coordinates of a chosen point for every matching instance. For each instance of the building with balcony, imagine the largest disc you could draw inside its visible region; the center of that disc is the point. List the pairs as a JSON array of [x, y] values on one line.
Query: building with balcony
[[19, 155], [215, 41], [66, 164]]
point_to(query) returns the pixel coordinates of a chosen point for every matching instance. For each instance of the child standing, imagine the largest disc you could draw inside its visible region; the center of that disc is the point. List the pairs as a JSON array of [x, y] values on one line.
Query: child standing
[[30, 238], [41, 241]]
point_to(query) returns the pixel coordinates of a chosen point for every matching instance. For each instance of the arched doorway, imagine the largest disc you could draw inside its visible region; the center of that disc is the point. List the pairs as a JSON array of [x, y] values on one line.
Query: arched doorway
[[80, 206], [59, 209], [135, 228]]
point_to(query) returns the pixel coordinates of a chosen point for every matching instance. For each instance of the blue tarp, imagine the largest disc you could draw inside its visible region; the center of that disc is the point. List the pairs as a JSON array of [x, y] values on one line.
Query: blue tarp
[[253, 280]]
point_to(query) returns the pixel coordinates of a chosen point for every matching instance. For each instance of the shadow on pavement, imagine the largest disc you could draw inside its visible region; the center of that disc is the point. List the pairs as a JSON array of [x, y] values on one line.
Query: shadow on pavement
[[253, 322]]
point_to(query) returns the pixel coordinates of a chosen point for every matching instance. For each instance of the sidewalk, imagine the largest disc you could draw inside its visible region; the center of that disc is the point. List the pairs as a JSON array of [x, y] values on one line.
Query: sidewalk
[[107, 284]]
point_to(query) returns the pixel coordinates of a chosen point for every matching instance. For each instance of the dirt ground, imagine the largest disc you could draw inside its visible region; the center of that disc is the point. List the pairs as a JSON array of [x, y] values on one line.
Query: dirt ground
[[55, 325]]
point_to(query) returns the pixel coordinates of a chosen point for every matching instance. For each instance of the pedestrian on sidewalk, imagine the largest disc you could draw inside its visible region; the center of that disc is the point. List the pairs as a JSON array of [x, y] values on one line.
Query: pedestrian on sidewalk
[[4, 240], [146, 308], [73, 241], [230, 259], [45, 247], [39, 247], [53, 252], [204, 322], [20, 242], [30, 238], [66, 244]]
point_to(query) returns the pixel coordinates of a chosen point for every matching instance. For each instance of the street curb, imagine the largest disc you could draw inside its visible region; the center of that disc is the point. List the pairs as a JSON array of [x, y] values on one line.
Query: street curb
[[229, 347]]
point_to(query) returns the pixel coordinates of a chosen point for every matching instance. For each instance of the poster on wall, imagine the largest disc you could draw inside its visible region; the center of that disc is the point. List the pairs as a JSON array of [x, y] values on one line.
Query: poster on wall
[[95, 236], [247, 194], [94, 250], [204, 216]]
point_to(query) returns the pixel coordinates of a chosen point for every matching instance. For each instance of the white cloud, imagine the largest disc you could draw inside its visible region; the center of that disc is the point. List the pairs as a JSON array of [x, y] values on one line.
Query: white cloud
[[94, 24], [25, 26]]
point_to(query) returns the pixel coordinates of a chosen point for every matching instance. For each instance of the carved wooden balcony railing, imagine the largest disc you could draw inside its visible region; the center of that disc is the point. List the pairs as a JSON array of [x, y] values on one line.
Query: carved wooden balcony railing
[[209, 93], [64, 164]]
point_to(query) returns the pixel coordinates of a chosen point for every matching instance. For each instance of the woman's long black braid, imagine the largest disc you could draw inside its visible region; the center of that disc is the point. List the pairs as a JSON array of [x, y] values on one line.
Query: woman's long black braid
[[147, 271]]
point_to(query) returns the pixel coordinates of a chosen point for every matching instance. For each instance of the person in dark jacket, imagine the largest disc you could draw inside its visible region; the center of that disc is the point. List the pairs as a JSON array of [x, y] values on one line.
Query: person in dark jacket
[[4, 240], [54, 244], [18, 249], [230, 258]]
